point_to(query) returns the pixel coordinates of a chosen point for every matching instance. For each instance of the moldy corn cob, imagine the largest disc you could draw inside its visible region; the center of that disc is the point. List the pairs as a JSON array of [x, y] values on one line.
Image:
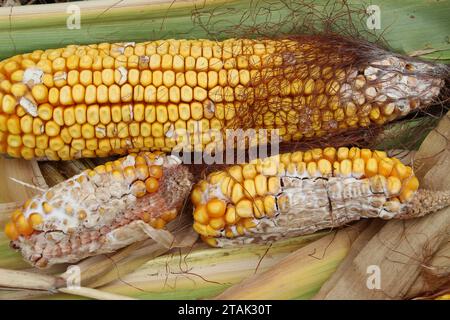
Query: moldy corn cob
[[102, 99], [302, 192], [100, 210]]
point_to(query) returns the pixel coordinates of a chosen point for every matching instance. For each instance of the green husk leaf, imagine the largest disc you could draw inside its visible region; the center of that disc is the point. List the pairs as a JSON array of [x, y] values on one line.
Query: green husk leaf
[[417, 27], [10, 259]]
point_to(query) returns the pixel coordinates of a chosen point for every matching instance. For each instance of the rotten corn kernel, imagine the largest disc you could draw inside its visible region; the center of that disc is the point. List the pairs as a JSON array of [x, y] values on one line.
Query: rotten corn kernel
[[302, 192], [99, 210], [102, 99]]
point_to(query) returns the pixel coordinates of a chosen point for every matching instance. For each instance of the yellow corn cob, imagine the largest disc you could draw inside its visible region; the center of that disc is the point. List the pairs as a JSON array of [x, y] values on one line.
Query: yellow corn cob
[[102, 99], [100, 210], [302, 192]]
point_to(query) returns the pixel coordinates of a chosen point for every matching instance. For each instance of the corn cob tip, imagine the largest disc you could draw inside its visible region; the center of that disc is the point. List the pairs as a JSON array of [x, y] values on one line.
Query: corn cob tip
[[425, 202]]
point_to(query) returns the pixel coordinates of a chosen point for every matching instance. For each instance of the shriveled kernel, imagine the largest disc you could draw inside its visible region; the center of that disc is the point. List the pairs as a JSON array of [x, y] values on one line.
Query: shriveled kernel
[[269, 205], [378, 183], [273, 185], [138, 188], [47, 207], [82, 214]]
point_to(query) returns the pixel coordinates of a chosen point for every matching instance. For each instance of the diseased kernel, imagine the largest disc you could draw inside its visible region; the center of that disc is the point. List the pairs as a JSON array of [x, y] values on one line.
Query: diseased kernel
[[35, 220], [394, 185], [138, 188], [82, 214], [47, 207]]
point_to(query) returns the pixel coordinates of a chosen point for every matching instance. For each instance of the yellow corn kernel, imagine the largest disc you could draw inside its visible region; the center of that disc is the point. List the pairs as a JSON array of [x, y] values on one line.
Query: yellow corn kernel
[[244, 208], [69, 116], [13, 125], [56, 143], [52, 129], [371, 167], [18, 89], [93, 114]]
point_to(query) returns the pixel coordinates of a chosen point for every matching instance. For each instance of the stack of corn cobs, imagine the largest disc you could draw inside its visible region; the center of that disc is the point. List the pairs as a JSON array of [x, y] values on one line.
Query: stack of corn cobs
[[140, 100]]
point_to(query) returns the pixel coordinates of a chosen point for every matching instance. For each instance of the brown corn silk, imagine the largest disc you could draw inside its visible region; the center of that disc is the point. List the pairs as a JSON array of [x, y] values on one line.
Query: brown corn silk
[[101, 210], [102, 99], [301, 192]]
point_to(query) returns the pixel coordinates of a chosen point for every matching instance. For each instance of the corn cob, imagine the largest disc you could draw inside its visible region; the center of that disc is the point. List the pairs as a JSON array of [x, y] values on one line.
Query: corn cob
[[102, 99], [100, 210], [299, 193]]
